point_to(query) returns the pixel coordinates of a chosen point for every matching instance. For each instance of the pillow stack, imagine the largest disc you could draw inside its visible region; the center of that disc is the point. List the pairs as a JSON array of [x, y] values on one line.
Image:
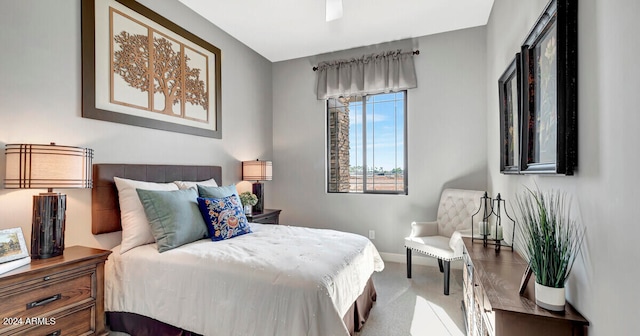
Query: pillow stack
[[222, 211], [178, 213]]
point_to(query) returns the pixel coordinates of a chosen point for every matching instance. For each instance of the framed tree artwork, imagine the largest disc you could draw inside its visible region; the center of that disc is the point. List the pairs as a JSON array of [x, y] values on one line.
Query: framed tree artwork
[[550, 109], [509, 86], [141, 69]]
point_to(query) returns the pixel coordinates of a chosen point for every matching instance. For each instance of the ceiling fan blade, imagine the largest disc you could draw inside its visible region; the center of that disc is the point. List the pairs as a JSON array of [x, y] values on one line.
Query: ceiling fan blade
[[334, 9]]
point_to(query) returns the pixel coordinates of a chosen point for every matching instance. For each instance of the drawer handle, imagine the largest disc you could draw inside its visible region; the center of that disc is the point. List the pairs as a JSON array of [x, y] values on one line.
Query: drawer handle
[[55, 333], [47, 278], [43, 301]]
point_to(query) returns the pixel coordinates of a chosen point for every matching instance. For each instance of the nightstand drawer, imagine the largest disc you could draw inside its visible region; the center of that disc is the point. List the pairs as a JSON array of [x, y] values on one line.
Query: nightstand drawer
[[268, 216], [272, 219], [67, 323], [68, 288], [44, 294]]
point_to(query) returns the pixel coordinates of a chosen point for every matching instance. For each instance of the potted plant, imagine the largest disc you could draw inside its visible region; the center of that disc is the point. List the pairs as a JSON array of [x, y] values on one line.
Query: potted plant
[[552, 239], [248, 200]]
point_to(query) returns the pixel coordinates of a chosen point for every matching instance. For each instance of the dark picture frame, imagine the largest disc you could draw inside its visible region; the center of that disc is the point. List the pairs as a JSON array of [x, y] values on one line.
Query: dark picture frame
[[509, 88], [525, 279], [207, 78], [550, 92]]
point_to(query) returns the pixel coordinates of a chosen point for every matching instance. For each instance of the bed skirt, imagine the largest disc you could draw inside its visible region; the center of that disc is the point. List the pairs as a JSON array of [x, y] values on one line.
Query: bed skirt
[[139, 325]]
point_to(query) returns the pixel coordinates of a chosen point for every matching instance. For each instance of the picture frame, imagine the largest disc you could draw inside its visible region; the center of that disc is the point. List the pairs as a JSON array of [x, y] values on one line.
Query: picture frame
[[141, 69], [550, 93], [524, 282], [509, 90], [12, 245]]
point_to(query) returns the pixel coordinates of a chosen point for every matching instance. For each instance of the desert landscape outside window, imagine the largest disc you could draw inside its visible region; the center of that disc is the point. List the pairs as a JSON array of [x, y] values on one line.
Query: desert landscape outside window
[[366, 139]]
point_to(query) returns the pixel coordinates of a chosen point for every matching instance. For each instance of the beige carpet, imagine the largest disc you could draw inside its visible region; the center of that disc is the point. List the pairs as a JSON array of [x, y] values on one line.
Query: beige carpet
[[415, 306]]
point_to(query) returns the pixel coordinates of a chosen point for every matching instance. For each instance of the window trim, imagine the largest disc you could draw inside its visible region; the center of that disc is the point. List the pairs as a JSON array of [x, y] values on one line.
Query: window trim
[[405, 170]]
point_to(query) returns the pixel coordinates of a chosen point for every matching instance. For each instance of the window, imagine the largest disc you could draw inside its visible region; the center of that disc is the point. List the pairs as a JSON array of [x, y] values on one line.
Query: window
[[366, 144]]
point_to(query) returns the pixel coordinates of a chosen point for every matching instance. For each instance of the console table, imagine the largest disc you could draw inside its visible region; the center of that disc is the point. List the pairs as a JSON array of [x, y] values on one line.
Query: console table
[[492, 303]]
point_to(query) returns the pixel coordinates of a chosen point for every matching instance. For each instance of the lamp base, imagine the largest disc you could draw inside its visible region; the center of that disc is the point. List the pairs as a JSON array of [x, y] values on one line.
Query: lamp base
[[47, 227], [259, 192]]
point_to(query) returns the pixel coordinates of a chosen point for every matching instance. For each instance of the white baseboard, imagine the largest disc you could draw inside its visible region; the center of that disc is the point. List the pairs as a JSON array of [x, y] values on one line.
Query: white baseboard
[[416, 259]]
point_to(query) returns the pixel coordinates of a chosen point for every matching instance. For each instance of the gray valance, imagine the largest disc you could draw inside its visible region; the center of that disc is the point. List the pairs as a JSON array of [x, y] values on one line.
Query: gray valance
[[370, 74]]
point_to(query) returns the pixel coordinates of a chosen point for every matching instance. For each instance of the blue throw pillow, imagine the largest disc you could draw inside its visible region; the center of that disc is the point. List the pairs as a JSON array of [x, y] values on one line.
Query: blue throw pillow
[[224, 217]]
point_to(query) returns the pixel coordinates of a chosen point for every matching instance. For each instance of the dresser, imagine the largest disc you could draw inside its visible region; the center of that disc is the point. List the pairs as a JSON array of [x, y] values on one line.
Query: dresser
[[492, 303], [267, 216], [63, 295]]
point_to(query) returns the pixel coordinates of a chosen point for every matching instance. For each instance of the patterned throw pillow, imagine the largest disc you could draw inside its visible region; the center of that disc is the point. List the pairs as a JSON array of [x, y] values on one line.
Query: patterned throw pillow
[[224, 217]]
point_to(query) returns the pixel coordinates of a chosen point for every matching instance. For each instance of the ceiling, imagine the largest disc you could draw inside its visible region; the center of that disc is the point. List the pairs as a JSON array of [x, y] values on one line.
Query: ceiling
[[286, 29]]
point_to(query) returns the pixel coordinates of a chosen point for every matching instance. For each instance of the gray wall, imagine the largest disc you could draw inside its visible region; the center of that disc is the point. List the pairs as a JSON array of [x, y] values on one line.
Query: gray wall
[[446, 132], [603, 284], [40, 94]]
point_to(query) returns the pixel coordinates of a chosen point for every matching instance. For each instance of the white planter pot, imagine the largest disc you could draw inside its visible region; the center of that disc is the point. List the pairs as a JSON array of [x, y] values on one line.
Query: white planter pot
[[550, 298]]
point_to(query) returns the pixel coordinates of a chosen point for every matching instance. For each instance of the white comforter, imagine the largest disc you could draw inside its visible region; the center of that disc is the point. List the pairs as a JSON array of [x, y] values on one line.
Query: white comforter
[[278, 280]]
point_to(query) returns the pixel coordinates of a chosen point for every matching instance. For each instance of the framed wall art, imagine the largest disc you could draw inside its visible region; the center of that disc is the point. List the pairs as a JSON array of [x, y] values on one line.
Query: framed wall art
[[12, 245], [509, 86], [141, 69], [549, 118]]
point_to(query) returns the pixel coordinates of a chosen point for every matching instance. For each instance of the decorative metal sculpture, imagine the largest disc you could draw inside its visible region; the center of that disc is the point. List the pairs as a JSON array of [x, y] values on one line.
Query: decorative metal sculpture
[[492, 234]]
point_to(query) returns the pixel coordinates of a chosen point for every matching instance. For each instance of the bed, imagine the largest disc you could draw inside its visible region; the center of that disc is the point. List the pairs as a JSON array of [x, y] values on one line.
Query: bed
[[278, 280]]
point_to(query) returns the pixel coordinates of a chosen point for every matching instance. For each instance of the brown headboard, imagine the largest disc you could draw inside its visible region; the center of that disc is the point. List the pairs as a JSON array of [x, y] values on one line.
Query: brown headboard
[[105, 209]]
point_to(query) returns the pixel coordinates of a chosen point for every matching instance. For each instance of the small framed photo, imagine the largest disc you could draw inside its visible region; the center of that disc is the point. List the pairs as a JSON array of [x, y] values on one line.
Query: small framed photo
[[525, 279], [12, 245]]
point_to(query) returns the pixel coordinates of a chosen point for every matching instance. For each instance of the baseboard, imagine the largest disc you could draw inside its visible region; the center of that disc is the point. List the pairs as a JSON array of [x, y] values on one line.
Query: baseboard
[[417, 260]]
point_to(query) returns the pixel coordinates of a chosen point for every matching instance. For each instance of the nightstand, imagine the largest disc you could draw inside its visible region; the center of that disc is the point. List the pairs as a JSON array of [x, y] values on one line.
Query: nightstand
[[63, 295], [268, 216]]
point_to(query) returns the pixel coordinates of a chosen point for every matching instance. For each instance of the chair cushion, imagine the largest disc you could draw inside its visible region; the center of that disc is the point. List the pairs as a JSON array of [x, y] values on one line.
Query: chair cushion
[[435, 246]]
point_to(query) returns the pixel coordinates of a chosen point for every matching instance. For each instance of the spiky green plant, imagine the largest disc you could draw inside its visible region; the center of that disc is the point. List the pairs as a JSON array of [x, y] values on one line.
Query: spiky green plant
[[551, 237]]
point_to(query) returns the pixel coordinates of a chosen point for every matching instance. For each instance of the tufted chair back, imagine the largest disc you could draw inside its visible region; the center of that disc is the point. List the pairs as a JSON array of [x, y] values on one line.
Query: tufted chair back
[[455, 210]]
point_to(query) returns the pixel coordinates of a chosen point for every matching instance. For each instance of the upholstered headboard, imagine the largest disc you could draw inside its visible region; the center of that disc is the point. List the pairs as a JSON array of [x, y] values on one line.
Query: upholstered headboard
[[105, 209]]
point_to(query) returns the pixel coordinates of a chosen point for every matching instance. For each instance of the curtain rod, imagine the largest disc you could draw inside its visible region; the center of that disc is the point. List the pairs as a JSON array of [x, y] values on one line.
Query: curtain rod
[[416, 52]]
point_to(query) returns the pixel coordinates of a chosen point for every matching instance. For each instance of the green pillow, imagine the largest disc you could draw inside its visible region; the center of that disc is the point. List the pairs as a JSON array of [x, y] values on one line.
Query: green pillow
[[174, 217], [218, 192]]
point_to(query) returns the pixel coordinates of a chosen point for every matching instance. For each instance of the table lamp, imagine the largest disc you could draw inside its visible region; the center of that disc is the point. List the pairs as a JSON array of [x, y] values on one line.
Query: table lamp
[[257, 171], [47, 167]]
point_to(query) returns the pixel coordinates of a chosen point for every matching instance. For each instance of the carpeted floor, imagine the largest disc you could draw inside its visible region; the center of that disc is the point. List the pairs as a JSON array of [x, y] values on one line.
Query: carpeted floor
[[415, 306]]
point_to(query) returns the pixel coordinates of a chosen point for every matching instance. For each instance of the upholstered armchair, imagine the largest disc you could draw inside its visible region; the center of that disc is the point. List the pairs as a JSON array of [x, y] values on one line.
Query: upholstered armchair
[[442, 239]]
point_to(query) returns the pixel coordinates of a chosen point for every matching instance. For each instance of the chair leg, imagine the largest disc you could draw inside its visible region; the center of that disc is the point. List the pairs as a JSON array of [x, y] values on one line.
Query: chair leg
[[440, 265], [446, 276], [408, 263]]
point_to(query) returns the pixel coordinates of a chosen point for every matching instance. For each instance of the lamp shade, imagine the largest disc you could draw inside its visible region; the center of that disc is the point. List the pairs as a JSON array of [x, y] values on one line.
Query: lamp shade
[[47, 167], [257, 170]]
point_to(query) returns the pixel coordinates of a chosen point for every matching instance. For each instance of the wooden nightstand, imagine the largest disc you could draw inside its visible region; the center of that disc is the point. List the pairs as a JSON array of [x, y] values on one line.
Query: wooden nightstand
[[268, 216], [63, 295]]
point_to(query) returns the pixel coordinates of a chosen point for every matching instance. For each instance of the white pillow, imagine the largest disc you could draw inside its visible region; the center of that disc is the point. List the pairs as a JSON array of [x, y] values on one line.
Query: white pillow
[[183, 185], [136, 230]]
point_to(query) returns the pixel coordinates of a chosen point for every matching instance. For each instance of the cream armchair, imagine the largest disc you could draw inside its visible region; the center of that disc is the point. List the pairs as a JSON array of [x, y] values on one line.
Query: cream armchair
[[442, 239]]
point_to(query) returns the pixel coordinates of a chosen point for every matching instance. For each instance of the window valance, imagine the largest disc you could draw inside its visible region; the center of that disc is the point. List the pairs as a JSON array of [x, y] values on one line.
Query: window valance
[[370, 74]]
